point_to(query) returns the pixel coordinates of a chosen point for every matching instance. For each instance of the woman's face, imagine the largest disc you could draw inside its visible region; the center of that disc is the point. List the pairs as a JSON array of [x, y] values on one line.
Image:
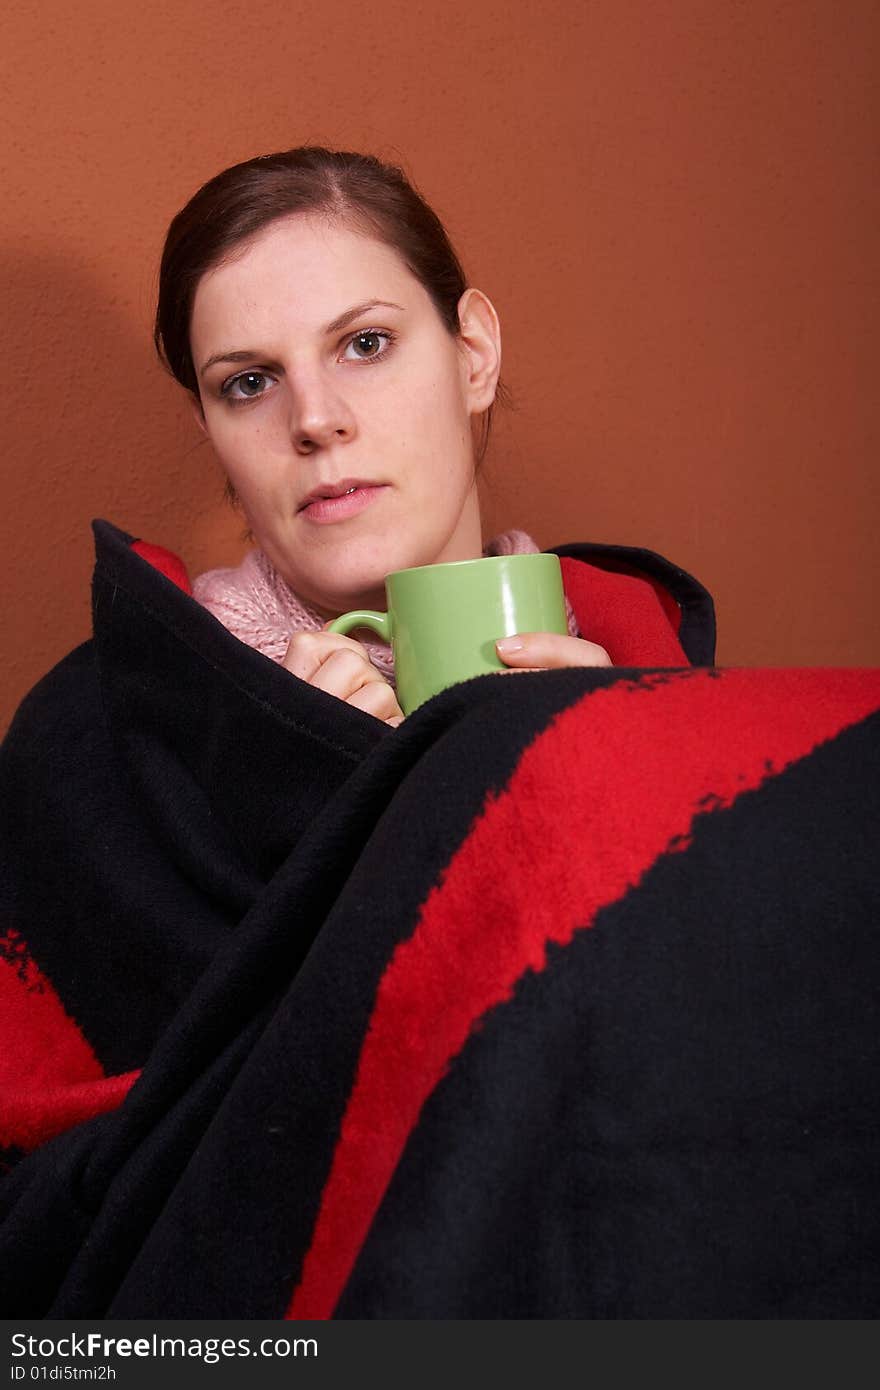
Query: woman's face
[[341, 407]]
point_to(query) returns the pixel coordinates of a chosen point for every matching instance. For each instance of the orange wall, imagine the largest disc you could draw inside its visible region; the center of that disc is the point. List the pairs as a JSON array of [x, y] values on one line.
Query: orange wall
[[673, 204]]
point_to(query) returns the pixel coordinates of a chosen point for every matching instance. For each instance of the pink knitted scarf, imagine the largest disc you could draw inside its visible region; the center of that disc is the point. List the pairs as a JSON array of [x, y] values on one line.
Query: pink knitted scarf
[[260, 608]]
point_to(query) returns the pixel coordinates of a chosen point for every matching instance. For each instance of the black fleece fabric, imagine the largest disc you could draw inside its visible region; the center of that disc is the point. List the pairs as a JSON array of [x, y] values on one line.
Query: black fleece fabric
[[559, 1001]]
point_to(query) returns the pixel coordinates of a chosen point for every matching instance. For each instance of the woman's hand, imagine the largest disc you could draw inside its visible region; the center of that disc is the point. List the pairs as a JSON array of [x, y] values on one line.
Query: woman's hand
[[547, 651], [340, 666]]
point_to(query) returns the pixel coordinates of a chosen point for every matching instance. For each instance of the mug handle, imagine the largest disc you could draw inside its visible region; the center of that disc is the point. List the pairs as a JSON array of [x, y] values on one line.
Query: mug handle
[[363, 617]]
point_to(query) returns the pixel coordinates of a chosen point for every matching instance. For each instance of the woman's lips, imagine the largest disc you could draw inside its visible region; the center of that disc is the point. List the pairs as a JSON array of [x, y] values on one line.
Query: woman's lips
[[325, 509]]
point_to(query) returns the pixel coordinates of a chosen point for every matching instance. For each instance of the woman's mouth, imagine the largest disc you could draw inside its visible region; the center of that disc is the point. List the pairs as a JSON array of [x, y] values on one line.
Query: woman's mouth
[[341, 502]]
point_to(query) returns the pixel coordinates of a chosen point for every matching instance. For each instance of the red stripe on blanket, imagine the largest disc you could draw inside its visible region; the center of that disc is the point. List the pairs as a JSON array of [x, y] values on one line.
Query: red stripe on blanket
[[50, 1078], [647, 757]]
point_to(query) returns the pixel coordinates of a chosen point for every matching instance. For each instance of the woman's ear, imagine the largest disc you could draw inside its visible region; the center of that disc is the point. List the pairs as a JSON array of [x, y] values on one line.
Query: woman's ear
[[480, 345]]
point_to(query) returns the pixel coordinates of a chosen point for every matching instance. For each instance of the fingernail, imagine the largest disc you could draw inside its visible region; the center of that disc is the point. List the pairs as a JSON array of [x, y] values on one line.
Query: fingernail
[[505, 645]]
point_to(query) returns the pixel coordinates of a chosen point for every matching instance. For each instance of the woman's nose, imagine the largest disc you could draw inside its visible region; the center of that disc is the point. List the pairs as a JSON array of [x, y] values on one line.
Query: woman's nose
[[319, 414]]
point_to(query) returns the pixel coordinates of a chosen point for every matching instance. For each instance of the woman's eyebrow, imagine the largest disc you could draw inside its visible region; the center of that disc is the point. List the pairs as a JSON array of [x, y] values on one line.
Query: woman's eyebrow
[[351, 314], [344, 319]]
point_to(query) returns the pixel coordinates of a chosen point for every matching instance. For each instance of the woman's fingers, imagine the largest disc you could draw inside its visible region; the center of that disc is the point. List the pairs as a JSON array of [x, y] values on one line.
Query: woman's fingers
[[378, 698], [307, 652], [545, 651], [344, 672], [340, 666]]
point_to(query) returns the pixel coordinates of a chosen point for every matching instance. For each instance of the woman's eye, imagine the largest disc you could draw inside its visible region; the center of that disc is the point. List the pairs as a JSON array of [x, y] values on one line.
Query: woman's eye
[[244, 387], [368, 345]]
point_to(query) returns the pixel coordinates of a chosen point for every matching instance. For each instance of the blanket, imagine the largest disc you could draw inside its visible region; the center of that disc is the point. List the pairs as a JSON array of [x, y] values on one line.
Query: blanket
[[559, 1001]]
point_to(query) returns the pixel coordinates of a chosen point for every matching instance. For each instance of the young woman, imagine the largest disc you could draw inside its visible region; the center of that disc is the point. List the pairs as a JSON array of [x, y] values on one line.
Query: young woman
[[312, 306], [248, 930], [554, 1002]]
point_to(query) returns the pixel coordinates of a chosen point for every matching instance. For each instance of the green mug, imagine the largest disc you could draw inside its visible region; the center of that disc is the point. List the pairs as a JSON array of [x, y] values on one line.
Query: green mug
[[443, 620]]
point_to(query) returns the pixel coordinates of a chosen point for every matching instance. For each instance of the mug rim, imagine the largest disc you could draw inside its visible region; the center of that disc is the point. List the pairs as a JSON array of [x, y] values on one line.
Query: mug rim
[[479, 559]]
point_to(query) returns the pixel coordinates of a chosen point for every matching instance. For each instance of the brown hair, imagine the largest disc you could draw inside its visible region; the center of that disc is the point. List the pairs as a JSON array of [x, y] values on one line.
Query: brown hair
[[242, 200]]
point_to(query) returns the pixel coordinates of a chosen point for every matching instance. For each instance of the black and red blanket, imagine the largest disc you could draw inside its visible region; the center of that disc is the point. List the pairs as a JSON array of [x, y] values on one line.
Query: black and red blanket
[[560, 1001]]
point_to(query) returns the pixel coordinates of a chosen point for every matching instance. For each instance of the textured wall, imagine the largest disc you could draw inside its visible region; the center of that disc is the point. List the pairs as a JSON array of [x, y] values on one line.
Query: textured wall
[[673, 204]]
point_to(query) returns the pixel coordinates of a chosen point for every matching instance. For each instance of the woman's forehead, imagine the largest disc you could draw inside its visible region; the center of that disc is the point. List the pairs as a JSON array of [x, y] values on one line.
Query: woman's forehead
[[313, 265]]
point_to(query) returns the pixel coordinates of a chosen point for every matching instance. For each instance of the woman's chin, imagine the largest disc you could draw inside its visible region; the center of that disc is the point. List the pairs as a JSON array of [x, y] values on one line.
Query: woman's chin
[[341, 598], [352, 575], [354, 585]]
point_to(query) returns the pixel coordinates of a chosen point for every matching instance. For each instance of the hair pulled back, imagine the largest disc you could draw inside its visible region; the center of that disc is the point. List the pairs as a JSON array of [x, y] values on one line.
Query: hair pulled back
[[238, 203]]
